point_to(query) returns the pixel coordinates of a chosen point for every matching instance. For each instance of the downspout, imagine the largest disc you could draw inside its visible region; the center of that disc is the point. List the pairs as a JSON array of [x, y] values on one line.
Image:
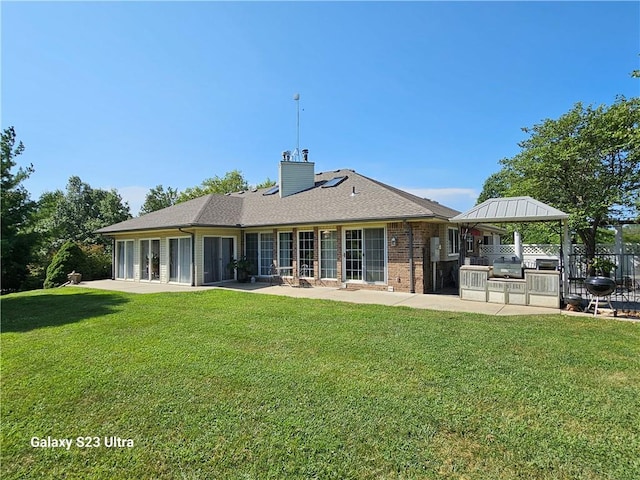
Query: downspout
[[412, 288], [113, 258], [193, 256]]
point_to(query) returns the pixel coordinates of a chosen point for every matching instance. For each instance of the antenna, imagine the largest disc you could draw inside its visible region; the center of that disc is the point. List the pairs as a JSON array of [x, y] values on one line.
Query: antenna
[[296, 154]]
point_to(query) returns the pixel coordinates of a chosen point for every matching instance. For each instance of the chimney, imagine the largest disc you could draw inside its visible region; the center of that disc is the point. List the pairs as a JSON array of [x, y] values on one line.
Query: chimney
[[296, 176]]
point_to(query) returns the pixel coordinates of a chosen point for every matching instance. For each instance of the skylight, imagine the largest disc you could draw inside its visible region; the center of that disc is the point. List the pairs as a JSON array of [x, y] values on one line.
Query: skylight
[[334, 182], [272, 190]]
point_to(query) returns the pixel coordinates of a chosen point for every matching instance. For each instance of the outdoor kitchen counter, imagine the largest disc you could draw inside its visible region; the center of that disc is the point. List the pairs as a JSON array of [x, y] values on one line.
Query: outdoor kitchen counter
[[540, 288]]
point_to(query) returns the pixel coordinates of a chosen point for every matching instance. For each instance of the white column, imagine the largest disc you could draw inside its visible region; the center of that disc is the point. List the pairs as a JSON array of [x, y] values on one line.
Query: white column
[[517, 241]]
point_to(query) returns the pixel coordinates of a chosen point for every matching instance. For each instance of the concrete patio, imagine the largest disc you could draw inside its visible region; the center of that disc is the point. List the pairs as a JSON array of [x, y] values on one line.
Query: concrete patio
[[450, 303]]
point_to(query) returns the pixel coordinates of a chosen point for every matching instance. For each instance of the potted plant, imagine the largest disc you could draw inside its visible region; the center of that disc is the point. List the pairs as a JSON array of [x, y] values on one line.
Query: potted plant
[[242, 267], [601, 266]]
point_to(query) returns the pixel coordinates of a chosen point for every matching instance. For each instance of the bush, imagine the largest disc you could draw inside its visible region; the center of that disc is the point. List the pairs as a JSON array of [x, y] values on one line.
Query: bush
[[70, 257], [99, 262]]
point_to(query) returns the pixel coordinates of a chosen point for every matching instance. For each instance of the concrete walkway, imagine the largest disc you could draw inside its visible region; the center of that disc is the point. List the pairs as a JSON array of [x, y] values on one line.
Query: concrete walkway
[[450, 303]]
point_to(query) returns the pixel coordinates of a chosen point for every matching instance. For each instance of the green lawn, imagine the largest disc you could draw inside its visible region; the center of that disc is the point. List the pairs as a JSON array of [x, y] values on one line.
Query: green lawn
[[222, 384]]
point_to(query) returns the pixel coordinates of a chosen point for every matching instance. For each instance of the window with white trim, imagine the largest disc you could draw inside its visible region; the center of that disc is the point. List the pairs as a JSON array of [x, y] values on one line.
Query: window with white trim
[[285, 253], [329, 254], [259, 252], [306, 246], [453, 241], [266, 253], [470, 242]]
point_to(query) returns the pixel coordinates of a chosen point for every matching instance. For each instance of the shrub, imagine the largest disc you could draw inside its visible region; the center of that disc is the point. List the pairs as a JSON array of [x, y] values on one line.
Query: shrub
[[70, 257], [99, 262]]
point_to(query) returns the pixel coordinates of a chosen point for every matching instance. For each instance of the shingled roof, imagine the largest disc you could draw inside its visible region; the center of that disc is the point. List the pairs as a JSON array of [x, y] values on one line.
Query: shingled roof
[[357, 198]]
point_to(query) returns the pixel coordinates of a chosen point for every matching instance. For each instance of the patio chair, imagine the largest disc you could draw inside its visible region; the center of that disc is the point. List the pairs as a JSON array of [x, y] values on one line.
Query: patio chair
[[274, 274]]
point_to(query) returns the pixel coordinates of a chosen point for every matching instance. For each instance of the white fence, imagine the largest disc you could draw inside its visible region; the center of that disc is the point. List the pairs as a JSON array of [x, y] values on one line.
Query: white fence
[[491, 253], [531, 252]]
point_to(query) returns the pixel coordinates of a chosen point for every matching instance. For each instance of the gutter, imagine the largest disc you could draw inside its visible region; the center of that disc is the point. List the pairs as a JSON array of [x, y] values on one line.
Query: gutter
[[193, 256]]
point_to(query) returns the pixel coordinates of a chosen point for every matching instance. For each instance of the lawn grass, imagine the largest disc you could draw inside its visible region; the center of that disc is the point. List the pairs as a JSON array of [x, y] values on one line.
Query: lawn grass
[[223, 384]]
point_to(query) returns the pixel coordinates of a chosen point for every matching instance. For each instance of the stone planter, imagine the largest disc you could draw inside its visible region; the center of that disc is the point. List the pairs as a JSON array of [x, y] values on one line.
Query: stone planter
[[74, 277]]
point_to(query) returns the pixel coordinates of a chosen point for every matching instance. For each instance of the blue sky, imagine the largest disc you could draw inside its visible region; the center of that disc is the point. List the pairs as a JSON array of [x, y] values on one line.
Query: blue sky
[[425, 96]]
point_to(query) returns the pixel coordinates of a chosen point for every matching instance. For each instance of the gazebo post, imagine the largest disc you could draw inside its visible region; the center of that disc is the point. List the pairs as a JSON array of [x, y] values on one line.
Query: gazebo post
[[566, 248]]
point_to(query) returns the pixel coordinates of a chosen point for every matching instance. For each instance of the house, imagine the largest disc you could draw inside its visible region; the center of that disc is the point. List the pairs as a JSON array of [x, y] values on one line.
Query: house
[[337, 228]]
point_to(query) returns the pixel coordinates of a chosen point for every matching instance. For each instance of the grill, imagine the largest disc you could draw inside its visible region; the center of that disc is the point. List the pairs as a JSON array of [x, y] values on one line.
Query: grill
[[507, 269], [546, 264], [599, 287]]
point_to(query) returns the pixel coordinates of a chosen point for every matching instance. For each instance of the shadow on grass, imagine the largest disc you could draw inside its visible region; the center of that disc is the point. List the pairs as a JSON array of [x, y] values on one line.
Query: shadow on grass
[[22, 313]]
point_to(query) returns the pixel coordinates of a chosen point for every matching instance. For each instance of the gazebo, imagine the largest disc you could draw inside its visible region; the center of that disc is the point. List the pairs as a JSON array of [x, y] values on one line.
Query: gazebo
[[519, 210]]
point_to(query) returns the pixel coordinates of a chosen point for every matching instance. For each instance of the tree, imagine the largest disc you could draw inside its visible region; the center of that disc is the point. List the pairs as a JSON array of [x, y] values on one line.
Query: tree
[[17, 239], [158, 198], [81, 210], [586, 163], [266, 183], [233, 181]]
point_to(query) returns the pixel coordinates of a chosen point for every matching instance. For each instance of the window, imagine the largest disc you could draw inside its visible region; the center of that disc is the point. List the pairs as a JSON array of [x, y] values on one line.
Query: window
[[329, 254], [251, 251], [124, 259], [353, 255], [470, 241], [259, 252], [180, 260], [306, 246], [453, 241], [285, 253], [266, 253]]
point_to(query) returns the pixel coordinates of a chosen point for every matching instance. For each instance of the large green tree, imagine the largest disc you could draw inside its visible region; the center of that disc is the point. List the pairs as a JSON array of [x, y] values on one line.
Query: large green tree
[[233, 181], [159, 198], [17, 238], [586, 163], [79, 211]]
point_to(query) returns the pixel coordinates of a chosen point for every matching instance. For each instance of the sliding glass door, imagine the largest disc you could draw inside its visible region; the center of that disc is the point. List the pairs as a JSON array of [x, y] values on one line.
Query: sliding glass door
[[364, 253], [180, 260], [124, 260], [218, 252], [149, 259]]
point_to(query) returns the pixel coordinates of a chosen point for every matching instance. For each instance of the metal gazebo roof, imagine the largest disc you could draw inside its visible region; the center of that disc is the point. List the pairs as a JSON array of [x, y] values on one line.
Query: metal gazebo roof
[[510, 209]]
